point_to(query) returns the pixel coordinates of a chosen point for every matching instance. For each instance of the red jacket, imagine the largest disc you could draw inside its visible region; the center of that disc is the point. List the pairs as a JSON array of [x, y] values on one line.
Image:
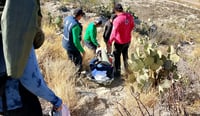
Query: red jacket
[[123, 24]]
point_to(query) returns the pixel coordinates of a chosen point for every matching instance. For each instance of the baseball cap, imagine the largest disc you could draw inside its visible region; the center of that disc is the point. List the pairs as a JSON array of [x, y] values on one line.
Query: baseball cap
[[118, 7], [78, 12]]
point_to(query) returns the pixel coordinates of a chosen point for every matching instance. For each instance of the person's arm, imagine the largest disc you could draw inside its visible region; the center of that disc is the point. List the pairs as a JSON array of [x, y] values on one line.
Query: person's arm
[[33, 80], [133, 23], [113, 32], [93, 35], [76, 30], [105, 32]]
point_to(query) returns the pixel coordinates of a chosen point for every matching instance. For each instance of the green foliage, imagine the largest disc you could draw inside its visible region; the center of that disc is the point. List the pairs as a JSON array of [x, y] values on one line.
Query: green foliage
[[58, 22], [128, 9], [103, 8], [152, 68]]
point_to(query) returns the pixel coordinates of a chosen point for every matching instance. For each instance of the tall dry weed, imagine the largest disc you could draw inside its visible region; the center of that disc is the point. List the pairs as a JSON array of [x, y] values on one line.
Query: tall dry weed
[[130, 106], [59, 75], [57, 70]]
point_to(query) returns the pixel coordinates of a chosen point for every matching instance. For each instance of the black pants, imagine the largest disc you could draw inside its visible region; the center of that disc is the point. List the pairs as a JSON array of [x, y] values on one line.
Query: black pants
[[91, 46], [118, 50], [31, 104], [76, 58]]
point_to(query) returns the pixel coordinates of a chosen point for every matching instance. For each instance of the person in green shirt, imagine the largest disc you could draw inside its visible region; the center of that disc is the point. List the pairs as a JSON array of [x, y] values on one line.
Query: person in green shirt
[[90, 37]]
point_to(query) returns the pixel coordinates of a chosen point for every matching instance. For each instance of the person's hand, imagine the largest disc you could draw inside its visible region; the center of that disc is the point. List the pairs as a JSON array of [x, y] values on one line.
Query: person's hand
[[57, 109], [83, 54], [108, 48]]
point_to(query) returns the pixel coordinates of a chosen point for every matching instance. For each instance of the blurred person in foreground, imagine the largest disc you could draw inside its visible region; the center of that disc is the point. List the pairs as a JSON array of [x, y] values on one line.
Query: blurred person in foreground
[[123, 25], [72, 38], [20, 78], [90, 38]]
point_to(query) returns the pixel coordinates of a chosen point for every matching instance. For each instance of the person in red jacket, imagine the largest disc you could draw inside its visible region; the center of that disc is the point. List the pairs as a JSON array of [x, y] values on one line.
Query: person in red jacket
[[123, 25]]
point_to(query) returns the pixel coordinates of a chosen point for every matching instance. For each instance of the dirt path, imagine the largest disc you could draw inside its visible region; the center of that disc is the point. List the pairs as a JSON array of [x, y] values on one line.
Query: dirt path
[[99, 100]]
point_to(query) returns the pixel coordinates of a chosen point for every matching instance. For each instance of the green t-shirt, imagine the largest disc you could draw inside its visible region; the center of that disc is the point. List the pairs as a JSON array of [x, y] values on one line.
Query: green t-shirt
[[76, 30], [91, 34]]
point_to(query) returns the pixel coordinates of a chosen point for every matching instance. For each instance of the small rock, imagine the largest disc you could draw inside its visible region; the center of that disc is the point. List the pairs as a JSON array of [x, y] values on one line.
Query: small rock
[[192, 17], [102, 91]]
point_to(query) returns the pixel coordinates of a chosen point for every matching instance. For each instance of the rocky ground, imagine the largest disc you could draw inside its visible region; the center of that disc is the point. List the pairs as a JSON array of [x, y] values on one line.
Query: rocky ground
[[178, 18]]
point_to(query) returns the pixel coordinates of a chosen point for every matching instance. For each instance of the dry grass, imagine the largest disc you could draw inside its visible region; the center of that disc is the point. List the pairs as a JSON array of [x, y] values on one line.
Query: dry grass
[[194, 108], [196, 52], [57, 70], [149, 100], [59, 75]]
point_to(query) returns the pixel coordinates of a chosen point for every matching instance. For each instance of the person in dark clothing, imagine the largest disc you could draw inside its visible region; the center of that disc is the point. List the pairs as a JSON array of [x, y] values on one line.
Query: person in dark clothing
[[72, 38], [108, 28]]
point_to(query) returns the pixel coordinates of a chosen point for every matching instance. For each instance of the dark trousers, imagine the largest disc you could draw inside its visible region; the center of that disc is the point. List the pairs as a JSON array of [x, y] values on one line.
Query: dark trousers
[[91, 46], [76, 58], [31, 105], [118, 50]]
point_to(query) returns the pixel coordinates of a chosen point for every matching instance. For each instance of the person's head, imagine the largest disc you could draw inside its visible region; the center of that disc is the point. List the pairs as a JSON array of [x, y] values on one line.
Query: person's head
[[118, 8], [98, 22], [113, 16], [78, 13]]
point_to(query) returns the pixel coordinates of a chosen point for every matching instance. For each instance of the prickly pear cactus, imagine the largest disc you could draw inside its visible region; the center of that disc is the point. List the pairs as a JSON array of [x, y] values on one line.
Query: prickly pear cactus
[[153, 69]]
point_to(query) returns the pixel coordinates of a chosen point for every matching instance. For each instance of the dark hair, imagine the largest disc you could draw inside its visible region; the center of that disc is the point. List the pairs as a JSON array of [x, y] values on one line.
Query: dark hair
[[118, 7], [113, 16], [78, 12], [98, 21]]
